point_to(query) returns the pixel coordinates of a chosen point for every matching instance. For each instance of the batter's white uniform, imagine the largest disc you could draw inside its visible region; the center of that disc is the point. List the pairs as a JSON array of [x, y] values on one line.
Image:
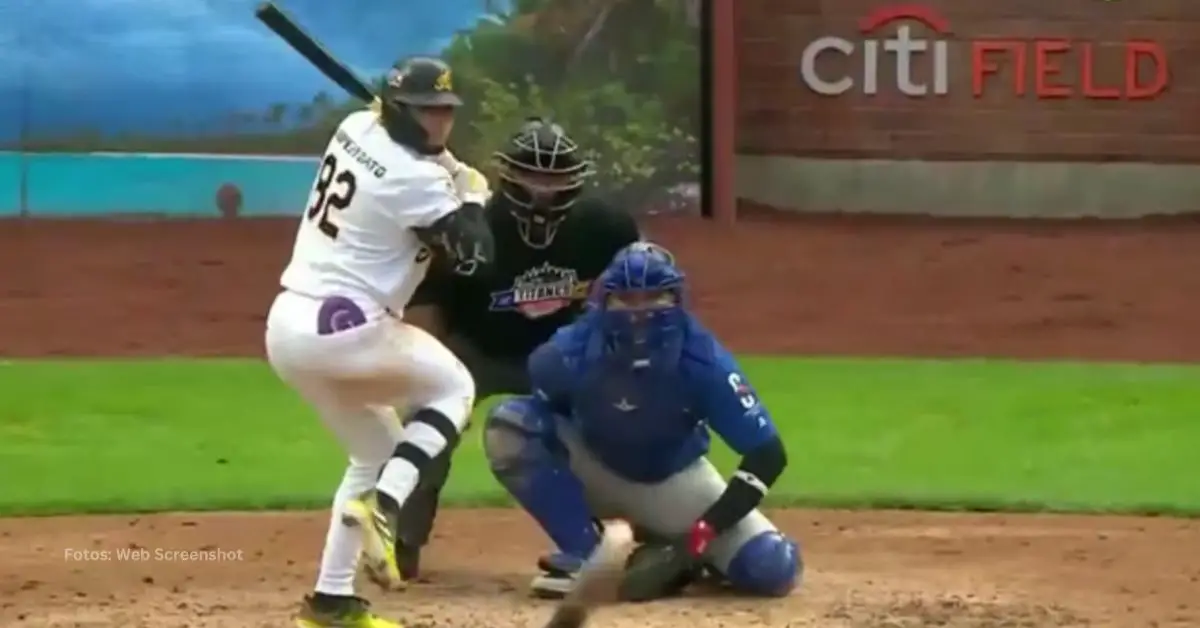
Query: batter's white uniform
[[335, 332]]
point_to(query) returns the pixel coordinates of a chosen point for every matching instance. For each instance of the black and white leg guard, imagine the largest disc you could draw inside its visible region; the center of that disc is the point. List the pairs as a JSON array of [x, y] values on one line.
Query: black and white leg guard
[[427, 434]]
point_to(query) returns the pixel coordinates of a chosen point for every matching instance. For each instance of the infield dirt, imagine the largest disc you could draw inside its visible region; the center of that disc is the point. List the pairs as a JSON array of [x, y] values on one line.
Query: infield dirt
[[773, 284]]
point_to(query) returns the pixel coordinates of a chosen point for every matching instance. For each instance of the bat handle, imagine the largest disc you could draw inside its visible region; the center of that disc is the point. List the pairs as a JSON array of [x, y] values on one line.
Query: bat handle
[[450, 162]]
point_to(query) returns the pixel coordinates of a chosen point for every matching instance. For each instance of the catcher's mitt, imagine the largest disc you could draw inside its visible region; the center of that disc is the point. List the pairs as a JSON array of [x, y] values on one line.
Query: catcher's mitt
[[658, 570]]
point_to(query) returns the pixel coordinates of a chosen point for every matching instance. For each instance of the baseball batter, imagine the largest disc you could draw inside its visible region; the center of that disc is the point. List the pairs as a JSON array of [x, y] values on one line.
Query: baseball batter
[[552, 241], [380, 210], [616, 427]]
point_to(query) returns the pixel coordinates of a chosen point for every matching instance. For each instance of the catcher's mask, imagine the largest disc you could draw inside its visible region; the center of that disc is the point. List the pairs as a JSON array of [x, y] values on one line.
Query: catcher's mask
[[639, 306], [542, 174], [418, 104]]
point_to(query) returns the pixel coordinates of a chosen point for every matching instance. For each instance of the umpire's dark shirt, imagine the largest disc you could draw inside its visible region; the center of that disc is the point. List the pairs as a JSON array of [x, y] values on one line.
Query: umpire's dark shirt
[[528, 293]]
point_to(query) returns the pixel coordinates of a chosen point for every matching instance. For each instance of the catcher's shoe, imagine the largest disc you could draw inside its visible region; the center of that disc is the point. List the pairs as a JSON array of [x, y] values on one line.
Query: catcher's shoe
[[322, 611], [379, 539], [559, 572]]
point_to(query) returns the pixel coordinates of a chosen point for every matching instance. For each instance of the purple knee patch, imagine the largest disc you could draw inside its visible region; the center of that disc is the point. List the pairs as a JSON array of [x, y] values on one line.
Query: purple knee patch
[[339, 314]]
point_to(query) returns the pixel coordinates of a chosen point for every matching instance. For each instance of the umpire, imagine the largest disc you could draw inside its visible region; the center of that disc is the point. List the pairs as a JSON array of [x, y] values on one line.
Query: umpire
[[551, 243]]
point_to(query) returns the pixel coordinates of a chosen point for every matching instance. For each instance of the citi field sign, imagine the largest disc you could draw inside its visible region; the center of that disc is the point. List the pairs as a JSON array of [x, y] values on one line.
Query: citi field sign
[[915, 36]]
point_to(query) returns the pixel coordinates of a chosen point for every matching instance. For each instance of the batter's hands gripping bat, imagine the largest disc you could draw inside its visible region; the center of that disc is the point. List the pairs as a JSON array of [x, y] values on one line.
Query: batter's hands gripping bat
[[600, 579], [289, 31]]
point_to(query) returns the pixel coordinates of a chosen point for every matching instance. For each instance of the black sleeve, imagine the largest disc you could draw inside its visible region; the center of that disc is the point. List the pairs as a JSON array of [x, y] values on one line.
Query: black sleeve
[[759, 470], [463, 237]]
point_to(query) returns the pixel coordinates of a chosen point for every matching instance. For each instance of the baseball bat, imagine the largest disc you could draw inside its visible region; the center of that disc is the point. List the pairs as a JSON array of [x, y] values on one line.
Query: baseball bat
[[599, 581], [302, 42], [283, 25]]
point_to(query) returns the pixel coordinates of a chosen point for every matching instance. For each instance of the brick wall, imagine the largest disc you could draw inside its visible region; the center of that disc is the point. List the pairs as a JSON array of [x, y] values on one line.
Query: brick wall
[[779, 115], [962, 152]]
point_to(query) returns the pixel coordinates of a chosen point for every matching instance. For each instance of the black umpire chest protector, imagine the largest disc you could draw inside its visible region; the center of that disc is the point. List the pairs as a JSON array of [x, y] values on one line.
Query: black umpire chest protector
[[528, 292]]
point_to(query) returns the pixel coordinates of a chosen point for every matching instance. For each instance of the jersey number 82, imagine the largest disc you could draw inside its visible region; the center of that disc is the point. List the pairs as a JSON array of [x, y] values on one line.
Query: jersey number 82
[[333, 190]]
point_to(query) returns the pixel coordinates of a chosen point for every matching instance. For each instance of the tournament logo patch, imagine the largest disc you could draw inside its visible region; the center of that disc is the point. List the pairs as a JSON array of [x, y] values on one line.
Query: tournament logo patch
[[541, 291]]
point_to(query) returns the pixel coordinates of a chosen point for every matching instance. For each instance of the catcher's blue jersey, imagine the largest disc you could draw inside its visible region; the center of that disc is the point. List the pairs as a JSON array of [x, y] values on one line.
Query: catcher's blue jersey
[[646, 424]]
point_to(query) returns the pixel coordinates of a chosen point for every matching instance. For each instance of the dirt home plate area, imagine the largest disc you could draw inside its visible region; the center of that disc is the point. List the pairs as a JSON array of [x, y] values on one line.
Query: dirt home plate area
[[772, 284]]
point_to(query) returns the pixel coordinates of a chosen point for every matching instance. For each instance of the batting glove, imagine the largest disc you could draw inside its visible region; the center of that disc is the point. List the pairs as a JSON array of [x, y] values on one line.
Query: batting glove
[[471, 185]]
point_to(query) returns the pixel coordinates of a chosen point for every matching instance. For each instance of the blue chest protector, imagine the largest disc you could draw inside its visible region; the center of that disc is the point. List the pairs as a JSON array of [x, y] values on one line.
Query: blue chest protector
[[646, 422]]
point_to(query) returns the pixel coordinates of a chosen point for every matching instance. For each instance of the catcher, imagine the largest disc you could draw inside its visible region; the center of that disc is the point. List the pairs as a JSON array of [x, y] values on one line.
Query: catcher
[[616, 427]]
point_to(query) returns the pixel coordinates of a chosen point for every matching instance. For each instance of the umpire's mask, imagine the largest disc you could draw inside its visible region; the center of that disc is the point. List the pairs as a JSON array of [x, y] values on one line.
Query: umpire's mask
[[541, 174]]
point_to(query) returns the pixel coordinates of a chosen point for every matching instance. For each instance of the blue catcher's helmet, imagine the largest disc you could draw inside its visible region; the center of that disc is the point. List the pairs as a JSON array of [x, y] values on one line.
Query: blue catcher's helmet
[[639, 304]]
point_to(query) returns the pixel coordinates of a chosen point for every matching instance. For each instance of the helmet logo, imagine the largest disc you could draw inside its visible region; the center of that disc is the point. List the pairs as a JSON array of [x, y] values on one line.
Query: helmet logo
[[444, 82]]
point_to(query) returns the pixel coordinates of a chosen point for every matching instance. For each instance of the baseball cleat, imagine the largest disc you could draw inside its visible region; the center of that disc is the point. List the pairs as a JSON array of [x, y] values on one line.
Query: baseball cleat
[[559, 572], [319, 611], [379, 540]]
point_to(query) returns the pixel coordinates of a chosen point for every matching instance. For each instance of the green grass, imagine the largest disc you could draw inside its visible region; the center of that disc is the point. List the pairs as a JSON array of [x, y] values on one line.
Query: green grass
[[135, 436]]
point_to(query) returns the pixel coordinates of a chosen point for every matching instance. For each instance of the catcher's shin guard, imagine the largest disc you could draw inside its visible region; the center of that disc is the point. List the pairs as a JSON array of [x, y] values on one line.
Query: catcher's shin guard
[[537, 476]]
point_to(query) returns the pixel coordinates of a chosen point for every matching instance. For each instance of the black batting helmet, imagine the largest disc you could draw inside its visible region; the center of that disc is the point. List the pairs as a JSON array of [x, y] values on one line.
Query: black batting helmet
[[416, 82], [542, 173]]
